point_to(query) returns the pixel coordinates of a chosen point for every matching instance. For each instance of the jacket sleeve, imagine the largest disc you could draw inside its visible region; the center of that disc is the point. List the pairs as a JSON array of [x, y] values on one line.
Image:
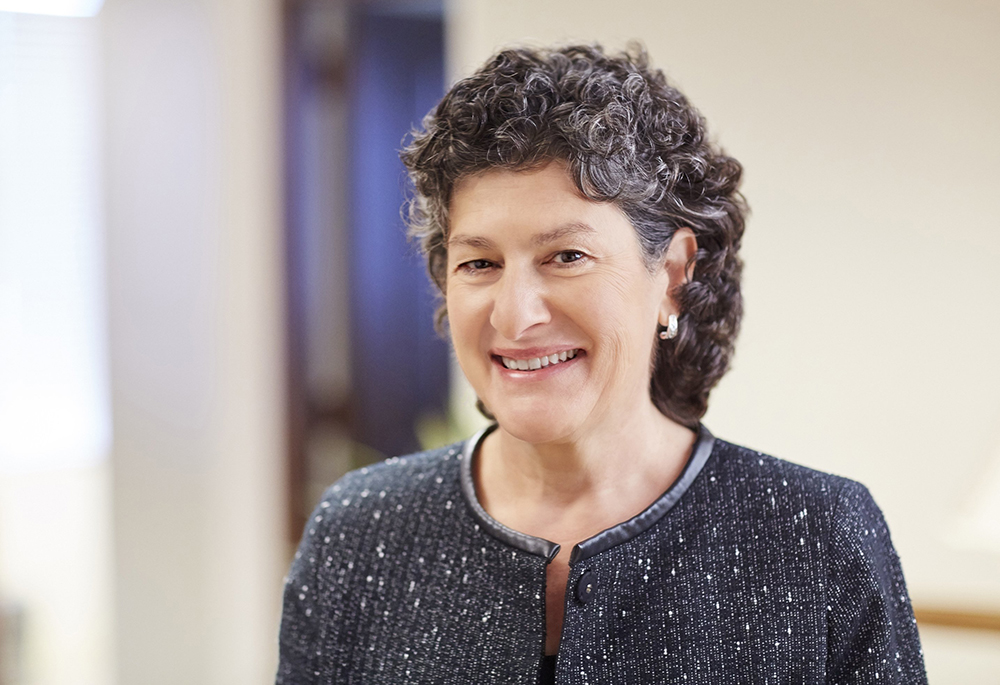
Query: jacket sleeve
[[300, 633], [871, 632]]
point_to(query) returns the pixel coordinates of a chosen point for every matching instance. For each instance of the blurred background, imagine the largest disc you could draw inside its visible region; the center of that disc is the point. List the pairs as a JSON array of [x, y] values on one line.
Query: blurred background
[[209, 310]]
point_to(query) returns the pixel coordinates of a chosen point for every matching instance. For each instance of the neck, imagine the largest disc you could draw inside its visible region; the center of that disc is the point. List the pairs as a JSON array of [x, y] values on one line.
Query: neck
[[640, 455]]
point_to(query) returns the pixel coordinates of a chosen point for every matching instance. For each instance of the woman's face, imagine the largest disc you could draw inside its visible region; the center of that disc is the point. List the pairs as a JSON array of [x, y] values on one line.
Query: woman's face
[[553, 313]]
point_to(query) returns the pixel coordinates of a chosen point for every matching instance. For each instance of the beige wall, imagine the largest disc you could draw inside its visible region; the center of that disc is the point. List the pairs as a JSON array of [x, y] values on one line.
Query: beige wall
[[870, 140], [196, 328]]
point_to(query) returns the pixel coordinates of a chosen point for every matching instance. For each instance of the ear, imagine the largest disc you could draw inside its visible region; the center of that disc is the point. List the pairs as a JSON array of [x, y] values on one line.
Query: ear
[[679, 267]]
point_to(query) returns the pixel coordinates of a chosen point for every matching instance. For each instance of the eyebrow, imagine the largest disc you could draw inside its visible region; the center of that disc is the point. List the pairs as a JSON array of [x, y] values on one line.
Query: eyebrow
[[574, 228]]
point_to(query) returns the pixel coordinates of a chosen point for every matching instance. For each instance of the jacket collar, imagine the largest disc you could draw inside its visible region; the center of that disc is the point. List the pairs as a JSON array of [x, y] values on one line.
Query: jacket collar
[[605, 539]]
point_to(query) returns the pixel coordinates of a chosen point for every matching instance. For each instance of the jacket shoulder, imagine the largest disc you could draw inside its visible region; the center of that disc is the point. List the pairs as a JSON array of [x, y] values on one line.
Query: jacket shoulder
[[787, 497], [756, 469], [404, 477]]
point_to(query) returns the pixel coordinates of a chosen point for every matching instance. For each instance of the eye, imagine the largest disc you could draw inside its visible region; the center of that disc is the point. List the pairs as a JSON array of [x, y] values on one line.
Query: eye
[[475, 266], [568, 257]]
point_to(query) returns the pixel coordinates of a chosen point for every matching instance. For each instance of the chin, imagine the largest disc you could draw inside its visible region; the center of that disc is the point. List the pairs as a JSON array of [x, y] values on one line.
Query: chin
[[536, 425]]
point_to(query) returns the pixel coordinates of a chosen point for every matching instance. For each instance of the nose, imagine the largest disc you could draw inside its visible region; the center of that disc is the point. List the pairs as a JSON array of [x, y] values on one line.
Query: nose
[[519, 303]]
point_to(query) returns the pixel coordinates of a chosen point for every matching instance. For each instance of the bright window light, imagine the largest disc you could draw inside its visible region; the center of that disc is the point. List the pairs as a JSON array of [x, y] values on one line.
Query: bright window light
[[62, 8], [54, 389]]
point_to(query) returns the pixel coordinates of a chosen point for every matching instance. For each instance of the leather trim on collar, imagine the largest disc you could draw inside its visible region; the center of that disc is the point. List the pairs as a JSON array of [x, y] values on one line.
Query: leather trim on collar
[[528, 543], [602, 541], [655, 511]]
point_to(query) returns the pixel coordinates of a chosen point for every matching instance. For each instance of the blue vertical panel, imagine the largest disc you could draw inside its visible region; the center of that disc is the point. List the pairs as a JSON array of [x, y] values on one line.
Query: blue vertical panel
[[400, 367]]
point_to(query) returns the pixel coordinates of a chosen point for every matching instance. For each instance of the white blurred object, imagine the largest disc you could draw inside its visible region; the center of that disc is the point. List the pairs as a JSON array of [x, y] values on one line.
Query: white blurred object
[[979, 525], [958, 656], [54, 404], [63, 8]]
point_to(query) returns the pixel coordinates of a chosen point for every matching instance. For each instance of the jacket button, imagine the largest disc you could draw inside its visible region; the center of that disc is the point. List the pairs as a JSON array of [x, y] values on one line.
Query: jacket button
[[586, 587]]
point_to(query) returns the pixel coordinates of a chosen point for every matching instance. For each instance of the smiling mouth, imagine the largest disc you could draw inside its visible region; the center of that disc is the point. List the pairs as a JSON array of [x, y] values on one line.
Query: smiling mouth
[[536, 363]]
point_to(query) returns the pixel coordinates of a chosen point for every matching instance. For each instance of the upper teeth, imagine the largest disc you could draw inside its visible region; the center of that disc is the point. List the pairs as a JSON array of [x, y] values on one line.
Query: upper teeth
[[538, 362]]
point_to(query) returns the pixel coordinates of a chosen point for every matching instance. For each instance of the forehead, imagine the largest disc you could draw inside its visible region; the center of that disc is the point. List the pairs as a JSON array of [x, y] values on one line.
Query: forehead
[[533, 203]]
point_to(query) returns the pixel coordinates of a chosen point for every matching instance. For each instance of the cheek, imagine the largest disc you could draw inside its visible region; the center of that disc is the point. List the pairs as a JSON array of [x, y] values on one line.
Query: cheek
[[622, 316], [465, 318]]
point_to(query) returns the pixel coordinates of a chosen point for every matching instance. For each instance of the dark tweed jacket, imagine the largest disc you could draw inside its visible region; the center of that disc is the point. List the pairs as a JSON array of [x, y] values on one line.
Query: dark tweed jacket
[[749, 569]]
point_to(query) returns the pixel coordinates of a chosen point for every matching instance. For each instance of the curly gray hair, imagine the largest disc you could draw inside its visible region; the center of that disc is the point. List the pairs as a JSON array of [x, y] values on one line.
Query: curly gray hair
[[627, 137]]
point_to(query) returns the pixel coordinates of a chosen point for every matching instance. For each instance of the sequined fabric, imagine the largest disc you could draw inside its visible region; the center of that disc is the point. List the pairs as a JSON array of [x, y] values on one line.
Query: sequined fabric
[[763, 572]]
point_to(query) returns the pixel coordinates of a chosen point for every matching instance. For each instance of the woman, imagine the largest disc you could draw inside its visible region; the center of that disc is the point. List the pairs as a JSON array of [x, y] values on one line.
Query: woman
[[584, 235]]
